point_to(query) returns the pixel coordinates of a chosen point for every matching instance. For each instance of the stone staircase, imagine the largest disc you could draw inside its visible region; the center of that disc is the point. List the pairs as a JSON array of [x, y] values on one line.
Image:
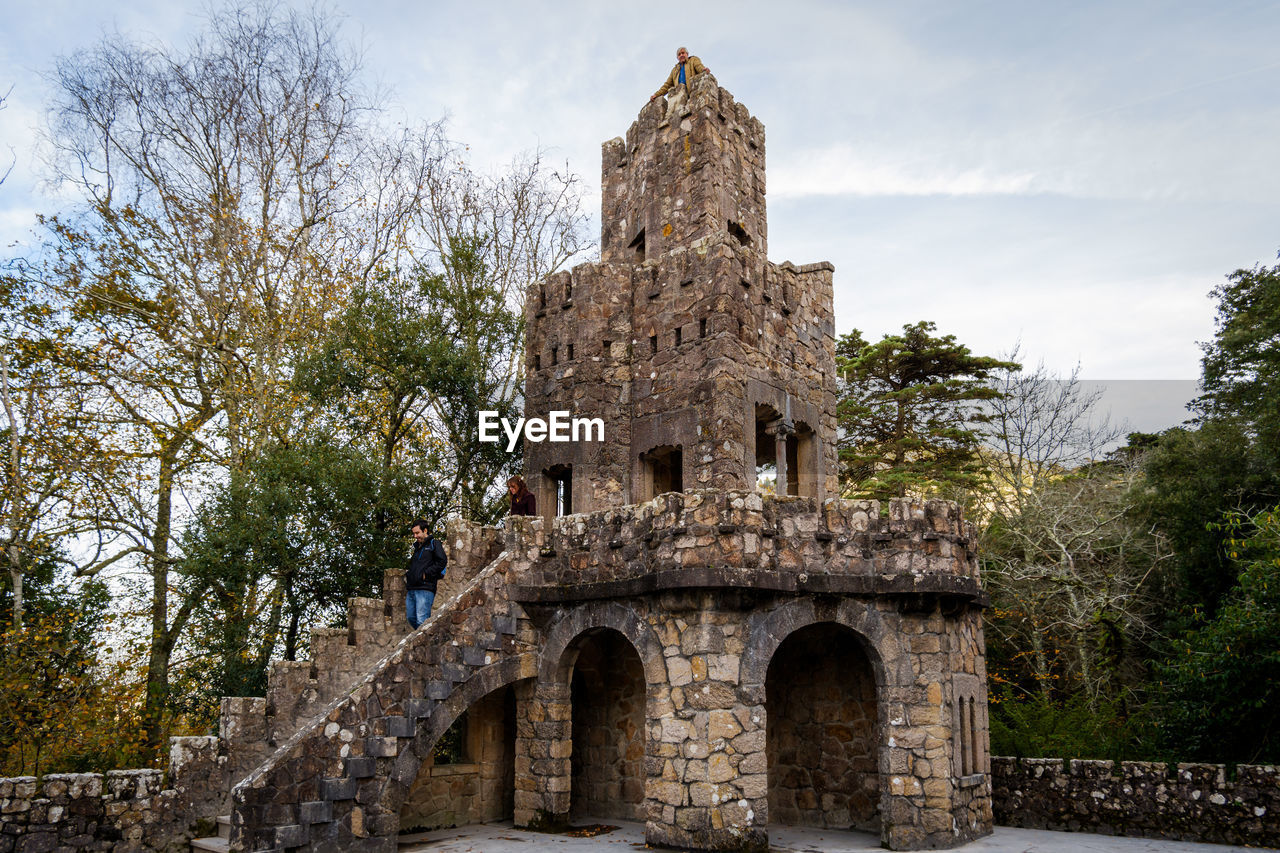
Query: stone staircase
[[253, 729], [220, 843], [338, 783]]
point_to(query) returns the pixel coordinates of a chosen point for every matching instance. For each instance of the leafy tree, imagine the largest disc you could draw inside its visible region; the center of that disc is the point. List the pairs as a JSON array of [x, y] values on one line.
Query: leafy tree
[[1064, 726], [231, 194], [1241, 365], [907, 412], [410, 362], [1193, 477], [65, 704], [56, 454], [1223, 677], [280, 548]]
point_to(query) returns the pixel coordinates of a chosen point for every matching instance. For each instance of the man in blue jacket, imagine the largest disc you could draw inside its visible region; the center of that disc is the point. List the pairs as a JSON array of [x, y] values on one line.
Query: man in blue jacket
[[426, 568]]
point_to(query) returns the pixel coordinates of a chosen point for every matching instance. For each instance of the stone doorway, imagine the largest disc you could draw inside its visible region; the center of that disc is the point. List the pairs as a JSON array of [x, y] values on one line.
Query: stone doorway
[[822, 731], [608, 701]]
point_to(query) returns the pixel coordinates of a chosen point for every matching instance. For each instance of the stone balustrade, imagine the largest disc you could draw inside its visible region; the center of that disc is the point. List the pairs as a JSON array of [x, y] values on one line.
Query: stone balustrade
[[716, 538]]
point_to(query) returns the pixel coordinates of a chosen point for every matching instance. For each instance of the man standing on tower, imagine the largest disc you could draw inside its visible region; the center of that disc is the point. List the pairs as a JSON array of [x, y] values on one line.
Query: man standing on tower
[[687, 67], [426, 568]]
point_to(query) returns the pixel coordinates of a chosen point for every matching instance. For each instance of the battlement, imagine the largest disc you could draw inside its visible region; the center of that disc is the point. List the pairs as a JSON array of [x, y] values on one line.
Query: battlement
[[751, 540], [690, 167]]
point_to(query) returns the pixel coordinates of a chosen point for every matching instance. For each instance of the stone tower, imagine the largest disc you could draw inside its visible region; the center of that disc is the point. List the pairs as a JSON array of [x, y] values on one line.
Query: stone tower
[[669, 642], [709, 364]]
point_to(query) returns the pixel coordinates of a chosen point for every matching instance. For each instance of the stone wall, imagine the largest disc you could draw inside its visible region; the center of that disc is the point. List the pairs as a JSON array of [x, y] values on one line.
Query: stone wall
[[1196, 802], [791, 538], [123, 811]]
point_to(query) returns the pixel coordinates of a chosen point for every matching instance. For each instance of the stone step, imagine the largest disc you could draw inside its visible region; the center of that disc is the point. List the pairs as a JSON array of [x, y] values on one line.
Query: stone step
[[214, 844], [224, 826]]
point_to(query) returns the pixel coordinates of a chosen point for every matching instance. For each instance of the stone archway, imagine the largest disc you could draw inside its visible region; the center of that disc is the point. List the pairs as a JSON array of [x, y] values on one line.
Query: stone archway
[[545, 737], [822, 735], [607, 698], [516, 673]]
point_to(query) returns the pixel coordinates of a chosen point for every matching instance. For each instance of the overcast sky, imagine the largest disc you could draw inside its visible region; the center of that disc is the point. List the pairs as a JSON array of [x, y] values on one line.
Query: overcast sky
[[1074, 176]]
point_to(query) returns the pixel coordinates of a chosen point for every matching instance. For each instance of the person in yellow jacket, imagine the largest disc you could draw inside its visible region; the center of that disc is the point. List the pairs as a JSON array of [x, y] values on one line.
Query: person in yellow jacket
[[687, 67]]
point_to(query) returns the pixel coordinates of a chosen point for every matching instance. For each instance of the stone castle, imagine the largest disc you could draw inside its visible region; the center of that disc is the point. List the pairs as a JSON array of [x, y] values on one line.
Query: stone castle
[[668, 642]]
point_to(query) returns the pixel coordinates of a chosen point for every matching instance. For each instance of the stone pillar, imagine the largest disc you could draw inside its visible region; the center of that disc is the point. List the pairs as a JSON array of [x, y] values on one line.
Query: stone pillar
[[781, 429], [393, 597], [706, 783], [920, 795], [543, 748]]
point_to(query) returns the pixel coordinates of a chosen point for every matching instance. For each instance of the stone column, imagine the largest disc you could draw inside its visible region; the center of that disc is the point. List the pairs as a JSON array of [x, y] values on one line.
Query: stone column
[[707, 783], [781, 429], [543, 747]]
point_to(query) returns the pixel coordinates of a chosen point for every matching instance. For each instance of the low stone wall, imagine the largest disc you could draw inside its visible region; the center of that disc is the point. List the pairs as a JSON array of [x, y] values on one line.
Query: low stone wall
[[123, 811], [1197, 802]]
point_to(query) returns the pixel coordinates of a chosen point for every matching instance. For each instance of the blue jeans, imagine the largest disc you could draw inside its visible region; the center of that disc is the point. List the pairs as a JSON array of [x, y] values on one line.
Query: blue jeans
[[417, 605]]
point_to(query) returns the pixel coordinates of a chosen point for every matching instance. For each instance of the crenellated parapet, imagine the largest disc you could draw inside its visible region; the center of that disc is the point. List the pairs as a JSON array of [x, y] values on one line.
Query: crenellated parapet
[[710, 539]]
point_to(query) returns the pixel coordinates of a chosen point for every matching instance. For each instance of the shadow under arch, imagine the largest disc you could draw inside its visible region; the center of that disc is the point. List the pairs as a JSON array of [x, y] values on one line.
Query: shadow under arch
[[605, 660], [826, 708], [483, 682], [822, 731], [766, 631]]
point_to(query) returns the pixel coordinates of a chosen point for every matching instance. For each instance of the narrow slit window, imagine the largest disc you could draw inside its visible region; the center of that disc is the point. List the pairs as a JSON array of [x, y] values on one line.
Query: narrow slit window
[[559, 488], [569, 352], [555, 356], [702, 327], [679, 335], [653, 344], [637, 246]]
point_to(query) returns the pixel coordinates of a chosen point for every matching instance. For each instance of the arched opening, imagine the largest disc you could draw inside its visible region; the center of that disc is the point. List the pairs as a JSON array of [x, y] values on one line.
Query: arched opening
[[608, 696], [470, 775], [822, 744]]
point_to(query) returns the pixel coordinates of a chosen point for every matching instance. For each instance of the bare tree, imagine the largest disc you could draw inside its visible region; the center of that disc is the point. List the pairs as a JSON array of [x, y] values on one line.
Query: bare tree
[[1040, 426], [13, 159], [1066, 559]]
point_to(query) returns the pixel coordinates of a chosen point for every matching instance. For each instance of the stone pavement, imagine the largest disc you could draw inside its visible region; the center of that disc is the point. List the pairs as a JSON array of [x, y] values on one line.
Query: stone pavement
[[629, 835]]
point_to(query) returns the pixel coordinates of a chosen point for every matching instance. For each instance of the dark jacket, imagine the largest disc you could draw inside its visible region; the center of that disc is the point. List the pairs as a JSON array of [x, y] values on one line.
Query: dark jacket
[[426, 566], [524, 505]]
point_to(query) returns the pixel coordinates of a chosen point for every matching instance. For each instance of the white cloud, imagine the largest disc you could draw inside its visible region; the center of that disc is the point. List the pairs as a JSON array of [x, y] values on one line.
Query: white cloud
[[841, 170]]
